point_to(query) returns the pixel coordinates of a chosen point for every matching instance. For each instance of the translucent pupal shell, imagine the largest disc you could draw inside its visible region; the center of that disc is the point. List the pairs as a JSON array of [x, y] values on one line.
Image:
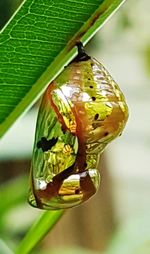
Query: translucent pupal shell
[[81, 112]]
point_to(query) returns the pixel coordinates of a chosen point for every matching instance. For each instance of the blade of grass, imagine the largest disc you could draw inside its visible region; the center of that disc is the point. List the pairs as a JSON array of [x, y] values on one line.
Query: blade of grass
[[39, 229]]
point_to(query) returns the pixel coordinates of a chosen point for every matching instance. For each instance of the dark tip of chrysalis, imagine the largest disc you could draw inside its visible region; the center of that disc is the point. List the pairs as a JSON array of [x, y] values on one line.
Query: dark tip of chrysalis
[[82, 56]]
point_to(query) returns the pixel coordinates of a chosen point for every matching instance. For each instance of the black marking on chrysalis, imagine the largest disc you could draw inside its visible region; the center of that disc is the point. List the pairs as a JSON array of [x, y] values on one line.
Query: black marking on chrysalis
[[82, 56], [77, 191], [93, 98], [96, 116], [45, 144], [85, 164]]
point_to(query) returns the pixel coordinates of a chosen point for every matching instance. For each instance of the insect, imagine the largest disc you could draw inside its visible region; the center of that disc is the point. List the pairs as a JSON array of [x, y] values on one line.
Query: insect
[[81, 112]]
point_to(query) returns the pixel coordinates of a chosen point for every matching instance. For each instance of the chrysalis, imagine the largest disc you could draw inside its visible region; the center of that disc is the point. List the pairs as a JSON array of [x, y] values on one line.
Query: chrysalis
[[81, 112]]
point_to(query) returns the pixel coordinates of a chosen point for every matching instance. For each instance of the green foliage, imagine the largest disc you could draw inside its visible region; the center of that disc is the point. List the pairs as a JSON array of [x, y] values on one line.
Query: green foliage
[[34, 47], [37, 43], [44, 224]]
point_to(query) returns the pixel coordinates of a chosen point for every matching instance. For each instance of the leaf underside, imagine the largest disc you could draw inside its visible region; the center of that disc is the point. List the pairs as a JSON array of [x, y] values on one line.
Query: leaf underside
[[37, 43]]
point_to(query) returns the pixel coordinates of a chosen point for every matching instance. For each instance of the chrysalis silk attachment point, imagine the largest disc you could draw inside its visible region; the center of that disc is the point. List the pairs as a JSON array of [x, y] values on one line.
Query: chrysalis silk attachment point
[[81, 112]]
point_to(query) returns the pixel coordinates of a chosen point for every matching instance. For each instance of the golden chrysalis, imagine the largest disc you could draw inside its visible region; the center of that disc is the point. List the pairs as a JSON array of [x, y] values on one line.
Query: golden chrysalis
[[81, 112]]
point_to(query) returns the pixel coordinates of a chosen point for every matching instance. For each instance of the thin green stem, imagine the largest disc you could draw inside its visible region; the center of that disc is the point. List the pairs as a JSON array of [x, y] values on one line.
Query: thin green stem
[[37, 232]]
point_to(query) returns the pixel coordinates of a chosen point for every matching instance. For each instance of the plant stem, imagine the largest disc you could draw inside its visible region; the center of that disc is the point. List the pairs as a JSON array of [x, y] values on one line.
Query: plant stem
[[37, 232]]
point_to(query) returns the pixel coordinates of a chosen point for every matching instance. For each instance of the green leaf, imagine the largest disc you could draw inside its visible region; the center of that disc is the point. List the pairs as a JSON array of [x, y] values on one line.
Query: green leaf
[[38, 42], [38, 231]]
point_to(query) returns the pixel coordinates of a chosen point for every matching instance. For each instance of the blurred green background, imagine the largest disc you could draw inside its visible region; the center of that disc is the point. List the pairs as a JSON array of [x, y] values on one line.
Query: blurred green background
[[117, 219]]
